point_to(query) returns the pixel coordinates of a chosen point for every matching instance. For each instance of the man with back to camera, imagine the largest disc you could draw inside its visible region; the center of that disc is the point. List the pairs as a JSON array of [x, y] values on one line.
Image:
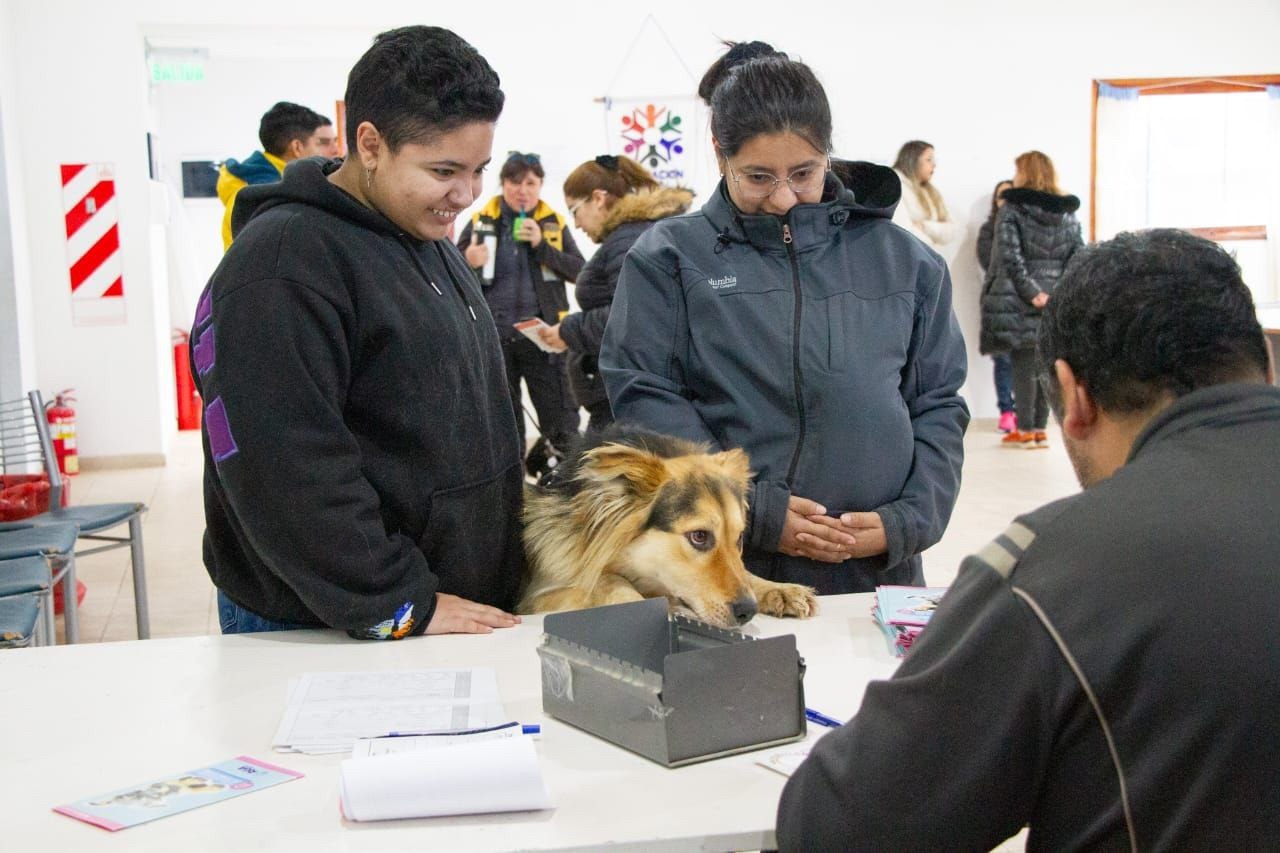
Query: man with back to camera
[[1106, 670], [287, 132]]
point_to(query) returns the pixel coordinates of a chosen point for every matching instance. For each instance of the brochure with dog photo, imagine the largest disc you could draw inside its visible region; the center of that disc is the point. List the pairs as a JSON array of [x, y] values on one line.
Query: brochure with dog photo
[[179, 792]]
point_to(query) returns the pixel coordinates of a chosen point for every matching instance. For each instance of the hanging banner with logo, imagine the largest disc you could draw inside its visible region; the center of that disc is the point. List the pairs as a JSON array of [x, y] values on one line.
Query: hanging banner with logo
[[94, 263], [659, 133]]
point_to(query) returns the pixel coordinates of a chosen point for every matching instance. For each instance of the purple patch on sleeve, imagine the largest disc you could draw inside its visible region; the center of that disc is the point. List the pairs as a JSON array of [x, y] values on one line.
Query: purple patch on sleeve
[[218, 429], [202, 352], [205, 309]]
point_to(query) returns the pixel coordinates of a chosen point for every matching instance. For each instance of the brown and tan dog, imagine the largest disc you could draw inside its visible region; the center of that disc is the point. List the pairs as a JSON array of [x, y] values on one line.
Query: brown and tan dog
[[633, 514]]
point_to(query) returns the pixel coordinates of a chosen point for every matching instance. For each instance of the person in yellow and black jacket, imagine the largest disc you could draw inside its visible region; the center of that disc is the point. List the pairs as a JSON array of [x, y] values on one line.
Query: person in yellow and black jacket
[[287, 132], [523, 253]]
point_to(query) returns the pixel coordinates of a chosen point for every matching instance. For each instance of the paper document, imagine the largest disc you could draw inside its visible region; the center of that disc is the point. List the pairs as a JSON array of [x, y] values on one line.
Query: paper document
[[470, 778], [529, 328], [177, 792], [328, 711]]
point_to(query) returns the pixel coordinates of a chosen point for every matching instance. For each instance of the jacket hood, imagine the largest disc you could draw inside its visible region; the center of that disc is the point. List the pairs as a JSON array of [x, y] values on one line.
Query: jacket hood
[[648, 206], [307, 182], [873, 193], [876, 188], [258, 168], [1045, 201]]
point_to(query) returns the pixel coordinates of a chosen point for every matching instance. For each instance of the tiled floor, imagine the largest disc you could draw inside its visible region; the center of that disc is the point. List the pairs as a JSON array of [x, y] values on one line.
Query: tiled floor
[[998, 485]]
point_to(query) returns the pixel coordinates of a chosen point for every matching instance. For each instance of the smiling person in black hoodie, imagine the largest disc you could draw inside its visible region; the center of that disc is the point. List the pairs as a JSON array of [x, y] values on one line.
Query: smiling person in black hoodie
[[361, 463]]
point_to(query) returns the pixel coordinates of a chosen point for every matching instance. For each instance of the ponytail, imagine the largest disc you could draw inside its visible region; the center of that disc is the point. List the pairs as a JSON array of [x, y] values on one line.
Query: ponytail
[[617, 176]]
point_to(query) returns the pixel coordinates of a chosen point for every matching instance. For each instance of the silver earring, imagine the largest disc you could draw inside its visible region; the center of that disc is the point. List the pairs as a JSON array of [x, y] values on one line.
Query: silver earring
[[368, 179]]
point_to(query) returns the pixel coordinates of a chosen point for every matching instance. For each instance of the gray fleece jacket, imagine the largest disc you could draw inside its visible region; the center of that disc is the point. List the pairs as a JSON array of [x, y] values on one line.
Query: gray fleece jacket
[[823, 343], [1104, 671]]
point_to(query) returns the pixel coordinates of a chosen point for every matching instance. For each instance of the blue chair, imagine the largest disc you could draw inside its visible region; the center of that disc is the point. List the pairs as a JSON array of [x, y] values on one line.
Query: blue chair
[[31, 576], [54, 544], [18, 617], [22, 419]]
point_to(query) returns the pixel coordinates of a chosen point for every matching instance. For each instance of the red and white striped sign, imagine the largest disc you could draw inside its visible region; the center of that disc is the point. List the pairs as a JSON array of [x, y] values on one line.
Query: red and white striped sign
[[93, 243]]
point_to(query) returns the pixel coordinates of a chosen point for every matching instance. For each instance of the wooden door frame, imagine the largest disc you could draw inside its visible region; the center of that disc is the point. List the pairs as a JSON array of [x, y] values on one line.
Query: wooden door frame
[[1225, 84]]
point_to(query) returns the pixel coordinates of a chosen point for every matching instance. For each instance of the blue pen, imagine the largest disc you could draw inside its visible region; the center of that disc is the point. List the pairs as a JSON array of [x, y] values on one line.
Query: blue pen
[[821, 719], [528, 729]]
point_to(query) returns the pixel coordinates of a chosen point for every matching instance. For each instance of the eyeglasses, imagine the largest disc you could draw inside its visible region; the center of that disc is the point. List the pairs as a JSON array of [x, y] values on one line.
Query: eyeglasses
[[762, 184], [530, 158], [573, 208]]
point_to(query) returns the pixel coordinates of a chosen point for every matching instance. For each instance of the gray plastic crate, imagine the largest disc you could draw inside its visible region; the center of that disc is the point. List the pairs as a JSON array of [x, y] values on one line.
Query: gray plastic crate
[[672, 689]]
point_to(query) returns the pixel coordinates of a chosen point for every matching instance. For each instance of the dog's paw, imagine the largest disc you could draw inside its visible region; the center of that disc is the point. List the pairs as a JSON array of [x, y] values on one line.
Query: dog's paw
[[787, 599]]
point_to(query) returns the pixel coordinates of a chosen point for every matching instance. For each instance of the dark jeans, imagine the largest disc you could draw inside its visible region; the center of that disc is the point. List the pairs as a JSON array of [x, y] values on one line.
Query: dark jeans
[[234, 619], [1002, 372], [548, 390], [1028, 394]]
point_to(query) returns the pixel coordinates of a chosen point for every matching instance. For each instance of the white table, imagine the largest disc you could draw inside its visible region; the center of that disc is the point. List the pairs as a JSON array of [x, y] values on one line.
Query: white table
[[83, 720]]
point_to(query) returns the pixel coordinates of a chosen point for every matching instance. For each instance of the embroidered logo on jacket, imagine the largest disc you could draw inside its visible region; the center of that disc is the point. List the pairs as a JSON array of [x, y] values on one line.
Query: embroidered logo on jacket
[[397, 627], [723, 283]]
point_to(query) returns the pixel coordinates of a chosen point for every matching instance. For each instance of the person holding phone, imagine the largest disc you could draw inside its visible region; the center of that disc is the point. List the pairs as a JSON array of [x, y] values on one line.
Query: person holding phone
[[523, 253], [790, 318]]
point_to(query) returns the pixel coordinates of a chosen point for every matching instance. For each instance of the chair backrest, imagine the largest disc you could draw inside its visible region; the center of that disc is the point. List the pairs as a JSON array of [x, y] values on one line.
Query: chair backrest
[[25, 442]]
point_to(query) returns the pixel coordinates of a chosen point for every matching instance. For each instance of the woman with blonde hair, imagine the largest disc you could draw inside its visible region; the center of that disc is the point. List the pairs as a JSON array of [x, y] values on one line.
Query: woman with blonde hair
[[922, 210], [614, 200], [1036, 233]]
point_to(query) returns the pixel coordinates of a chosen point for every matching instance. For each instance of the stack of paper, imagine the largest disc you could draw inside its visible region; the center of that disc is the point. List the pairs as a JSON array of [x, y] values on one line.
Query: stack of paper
[[902, 612], [328, 711], [478, 774]]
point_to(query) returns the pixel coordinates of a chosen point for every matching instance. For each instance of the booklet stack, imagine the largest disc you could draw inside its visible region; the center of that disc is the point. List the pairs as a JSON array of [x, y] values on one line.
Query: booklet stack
[[902, 612]]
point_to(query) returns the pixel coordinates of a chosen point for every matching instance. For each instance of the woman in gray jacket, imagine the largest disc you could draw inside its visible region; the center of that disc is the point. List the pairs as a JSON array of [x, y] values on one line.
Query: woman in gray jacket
[[789, 317], [1036, 234]]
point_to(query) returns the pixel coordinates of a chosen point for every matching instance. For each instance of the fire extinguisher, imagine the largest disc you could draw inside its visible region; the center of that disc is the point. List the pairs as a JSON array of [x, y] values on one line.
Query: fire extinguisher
[[62, 429]]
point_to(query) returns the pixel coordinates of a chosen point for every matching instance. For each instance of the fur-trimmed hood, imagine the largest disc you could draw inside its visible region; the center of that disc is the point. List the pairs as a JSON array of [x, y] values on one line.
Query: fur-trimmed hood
[[646, 206], [1043, 200]]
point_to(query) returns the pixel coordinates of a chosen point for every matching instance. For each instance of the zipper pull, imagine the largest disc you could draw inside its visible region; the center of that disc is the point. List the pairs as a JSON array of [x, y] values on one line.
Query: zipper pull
[[438, 291], [786, 233], [473, 312]]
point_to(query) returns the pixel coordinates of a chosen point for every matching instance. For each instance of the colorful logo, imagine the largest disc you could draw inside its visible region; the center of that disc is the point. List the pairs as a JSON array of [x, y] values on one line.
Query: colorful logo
[[652, 135]]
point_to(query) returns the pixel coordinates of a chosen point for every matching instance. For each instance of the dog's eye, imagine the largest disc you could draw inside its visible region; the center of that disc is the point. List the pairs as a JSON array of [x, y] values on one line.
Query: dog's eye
[[701, 539]]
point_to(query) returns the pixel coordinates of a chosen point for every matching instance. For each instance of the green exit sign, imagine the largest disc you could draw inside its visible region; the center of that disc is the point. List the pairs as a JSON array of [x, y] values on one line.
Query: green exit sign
[[176, 72]]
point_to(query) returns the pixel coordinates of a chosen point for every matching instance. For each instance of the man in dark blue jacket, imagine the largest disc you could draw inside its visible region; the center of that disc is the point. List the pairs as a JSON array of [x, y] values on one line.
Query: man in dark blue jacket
[[1106, 669]]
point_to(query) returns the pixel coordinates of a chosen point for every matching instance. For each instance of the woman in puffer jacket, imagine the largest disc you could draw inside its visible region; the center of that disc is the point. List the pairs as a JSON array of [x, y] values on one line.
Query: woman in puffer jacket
[[1036, 234], [614, 200]]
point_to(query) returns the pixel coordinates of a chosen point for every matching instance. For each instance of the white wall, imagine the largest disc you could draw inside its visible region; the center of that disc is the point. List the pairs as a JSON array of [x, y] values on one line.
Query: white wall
[[17, 350], [981, 81]]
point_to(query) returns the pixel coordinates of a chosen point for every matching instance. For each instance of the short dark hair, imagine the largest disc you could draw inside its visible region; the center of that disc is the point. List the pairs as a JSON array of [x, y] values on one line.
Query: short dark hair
[[416, 83], [286, 122], [517, 165], [1148, 313], [770, 94]]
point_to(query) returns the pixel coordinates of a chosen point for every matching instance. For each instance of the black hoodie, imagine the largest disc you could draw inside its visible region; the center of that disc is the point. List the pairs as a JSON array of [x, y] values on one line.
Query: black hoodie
[[360, 446]]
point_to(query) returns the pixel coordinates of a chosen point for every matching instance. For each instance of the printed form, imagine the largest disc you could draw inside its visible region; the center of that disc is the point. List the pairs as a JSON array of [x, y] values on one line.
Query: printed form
[[328, 711]]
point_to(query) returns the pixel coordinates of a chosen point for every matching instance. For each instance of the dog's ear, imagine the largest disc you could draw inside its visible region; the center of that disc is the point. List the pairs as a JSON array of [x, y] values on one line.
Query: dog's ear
[[645, 471], [735, 464]]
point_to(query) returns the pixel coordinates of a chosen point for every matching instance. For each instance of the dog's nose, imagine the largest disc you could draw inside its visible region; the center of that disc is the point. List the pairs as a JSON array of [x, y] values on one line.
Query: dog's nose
[[743, 608]]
